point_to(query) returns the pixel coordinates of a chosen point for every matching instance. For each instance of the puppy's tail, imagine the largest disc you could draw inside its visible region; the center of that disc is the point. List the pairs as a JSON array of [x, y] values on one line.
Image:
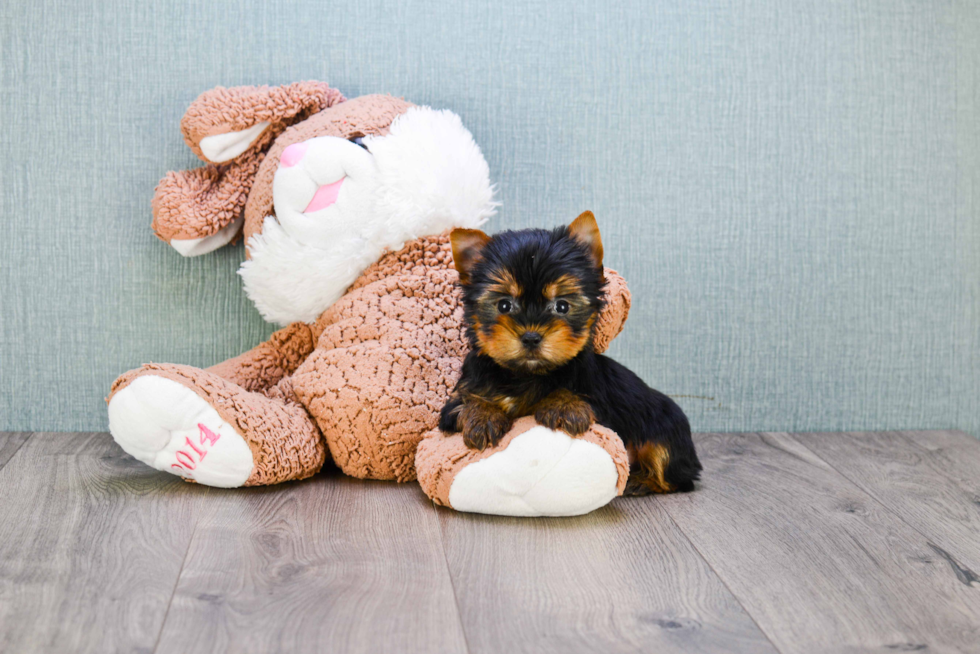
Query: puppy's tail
[[655, 469]]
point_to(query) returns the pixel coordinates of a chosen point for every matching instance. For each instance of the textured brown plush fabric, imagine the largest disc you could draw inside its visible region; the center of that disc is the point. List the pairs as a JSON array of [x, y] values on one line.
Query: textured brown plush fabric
[[284, 441], [221, 110], [440, 457], [197, 203], [369, 377], [265, 365], [387, 355], [613, 317]]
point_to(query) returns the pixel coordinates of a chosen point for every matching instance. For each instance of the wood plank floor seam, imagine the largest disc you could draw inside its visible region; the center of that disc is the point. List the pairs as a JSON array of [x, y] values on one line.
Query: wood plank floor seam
[[452, 582], [860, 487], [180, 572], [965, 574], [945, 472], [817, 562], [792, 544], [5, 458], [89, 546], [620, 579], [331, 559], [724, 582]]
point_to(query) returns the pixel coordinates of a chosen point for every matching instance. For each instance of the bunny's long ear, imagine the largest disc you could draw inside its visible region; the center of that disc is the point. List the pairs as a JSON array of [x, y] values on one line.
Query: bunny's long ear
[[200, 210], [222, 124]]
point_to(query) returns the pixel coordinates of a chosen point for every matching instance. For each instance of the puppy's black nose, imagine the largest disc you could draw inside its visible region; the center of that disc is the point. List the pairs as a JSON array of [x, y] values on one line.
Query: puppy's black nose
[[531, 339]]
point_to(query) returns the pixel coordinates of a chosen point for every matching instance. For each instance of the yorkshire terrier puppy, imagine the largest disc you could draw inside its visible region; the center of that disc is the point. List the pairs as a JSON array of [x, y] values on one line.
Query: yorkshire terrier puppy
[[531, 300]]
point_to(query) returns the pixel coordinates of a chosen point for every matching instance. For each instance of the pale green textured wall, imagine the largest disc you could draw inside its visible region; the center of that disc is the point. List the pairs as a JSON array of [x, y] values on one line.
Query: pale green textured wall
[[792, 188]]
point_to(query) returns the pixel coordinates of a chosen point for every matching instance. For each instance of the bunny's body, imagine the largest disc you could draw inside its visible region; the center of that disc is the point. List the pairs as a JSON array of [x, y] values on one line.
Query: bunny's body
[[346, 207]]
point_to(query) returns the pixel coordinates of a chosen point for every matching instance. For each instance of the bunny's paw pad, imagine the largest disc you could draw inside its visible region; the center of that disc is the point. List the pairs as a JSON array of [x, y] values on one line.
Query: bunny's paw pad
[[542, 472], [168, 426]]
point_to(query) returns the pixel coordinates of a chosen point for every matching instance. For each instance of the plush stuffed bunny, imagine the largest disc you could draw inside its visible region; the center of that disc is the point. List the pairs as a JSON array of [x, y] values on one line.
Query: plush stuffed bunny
[[346, 207]]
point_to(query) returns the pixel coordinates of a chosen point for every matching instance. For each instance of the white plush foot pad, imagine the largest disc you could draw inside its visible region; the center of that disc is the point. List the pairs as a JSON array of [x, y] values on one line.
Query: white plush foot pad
[[168, 426], [195, 247], [541, 473]]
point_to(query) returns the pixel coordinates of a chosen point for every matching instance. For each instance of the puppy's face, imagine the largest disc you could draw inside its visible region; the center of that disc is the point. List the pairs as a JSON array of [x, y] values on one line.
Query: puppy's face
[[531, 297]]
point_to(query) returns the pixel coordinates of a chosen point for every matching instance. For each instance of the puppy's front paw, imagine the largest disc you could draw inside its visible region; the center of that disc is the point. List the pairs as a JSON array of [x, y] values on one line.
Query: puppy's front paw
[[565, 411], [571, 420], [483, 425], [449, 416]]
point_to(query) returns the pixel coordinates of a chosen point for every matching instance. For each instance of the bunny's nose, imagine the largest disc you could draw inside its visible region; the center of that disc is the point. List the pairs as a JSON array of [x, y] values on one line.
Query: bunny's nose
[[292, 155], [531, 339]]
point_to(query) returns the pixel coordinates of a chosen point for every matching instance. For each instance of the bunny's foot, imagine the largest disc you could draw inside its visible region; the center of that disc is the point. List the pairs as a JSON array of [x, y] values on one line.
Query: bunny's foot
[[532, 471], [194, 424]]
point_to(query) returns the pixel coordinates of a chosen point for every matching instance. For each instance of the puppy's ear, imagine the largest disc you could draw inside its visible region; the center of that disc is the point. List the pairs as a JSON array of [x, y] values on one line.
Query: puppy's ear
[[585, 230], [468, 247]]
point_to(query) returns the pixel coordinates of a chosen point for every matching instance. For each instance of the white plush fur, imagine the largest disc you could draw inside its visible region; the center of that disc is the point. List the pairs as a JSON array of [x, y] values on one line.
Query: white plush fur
[[195, 247], [432, 176], [541, 473], [290, 281], [428, 175], [152, 419], [328, 159]]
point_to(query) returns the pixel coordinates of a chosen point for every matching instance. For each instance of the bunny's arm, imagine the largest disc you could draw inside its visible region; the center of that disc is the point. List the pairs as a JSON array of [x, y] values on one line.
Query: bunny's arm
[[614, 313]]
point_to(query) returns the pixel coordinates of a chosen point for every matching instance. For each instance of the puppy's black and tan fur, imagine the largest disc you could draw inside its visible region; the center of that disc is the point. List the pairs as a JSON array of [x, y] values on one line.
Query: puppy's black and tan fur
[[531, 299]]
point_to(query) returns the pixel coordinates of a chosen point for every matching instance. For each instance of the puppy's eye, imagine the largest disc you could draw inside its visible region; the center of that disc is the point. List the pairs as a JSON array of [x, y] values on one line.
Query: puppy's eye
[[561, 306], [504, 306]]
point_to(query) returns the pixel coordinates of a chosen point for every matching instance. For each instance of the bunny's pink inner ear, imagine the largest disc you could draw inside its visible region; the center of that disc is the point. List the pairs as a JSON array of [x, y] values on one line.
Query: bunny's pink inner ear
[[225, 123]]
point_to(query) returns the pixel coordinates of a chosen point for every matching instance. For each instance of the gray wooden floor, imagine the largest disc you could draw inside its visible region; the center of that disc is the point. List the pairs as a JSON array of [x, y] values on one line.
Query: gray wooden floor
[[794, 543]]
